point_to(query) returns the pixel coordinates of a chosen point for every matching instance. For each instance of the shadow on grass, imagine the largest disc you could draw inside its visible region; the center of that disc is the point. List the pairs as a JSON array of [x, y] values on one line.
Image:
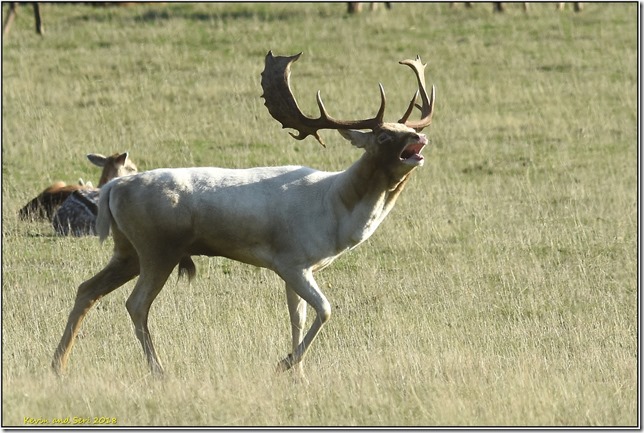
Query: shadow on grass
[[44, 235]]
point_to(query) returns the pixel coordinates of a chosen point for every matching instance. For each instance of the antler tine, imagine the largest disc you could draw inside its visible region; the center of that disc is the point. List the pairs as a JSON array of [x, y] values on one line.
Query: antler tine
[[281, 104], [378, 118], [412, 104], [427, 109]]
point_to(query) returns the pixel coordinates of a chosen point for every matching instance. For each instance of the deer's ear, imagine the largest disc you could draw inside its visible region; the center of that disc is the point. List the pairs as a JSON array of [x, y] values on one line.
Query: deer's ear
[[357, 138], [97, 159], [122, 158]]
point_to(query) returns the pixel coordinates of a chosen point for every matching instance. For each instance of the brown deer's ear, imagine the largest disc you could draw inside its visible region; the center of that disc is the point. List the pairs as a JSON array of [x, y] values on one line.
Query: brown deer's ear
[[97, 159], [122, 158], [359, 139]]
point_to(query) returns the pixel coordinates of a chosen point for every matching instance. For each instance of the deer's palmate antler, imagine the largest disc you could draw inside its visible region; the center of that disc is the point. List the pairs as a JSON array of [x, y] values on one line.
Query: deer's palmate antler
[[283, 107], [293, 220]]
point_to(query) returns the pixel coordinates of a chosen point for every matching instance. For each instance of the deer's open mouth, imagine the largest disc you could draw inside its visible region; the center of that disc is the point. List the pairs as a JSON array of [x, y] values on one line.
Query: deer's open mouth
[[411, 153]]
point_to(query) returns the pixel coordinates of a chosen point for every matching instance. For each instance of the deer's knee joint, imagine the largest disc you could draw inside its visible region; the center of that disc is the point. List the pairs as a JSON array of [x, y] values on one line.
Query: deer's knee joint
[[324, 313]]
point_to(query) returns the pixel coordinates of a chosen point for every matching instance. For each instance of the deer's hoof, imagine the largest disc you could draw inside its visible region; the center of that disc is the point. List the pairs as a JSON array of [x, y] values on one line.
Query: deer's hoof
[[285, 364]]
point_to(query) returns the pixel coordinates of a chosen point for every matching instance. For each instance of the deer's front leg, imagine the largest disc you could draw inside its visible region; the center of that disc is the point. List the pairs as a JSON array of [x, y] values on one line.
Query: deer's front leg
[[297, 313], [302, 286]]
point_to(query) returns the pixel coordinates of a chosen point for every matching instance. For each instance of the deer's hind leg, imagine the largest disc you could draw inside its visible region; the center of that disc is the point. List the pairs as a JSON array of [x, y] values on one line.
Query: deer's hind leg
[[123, 266], [156, 267]]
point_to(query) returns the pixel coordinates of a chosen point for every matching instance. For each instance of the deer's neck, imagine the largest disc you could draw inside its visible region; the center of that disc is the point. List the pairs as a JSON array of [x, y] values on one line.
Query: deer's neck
[[362, 197]]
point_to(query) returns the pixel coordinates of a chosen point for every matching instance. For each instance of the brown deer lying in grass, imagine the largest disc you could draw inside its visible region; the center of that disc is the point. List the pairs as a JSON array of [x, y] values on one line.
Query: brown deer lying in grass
[[48, 203], [293, 220], [77, 215]]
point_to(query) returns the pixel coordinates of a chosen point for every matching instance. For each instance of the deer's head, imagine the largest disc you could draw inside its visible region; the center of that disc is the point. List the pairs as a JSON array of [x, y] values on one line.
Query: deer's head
[[398, 145], [116, 165]]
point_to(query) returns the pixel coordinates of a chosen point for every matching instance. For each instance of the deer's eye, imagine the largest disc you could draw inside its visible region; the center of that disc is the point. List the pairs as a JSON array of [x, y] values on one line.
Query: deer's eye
[[383, 137]]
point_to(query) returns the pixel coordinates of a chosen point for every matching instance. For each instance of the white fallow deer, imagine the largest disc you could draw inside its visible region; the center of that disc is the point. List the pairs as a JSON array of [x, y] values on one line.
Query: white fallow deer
[[293, 220]]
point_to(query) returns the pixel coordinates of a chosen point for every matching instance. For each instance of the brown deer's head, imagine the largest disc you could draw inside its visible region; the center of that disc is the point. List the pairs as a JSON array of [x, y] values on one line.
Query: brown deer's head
[[114, 166]]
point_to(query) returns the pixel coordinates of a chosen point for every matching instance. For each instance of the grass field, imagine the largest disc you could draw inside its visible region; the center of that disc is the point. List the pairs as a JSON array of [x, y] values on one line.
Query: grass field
[[501, 290]]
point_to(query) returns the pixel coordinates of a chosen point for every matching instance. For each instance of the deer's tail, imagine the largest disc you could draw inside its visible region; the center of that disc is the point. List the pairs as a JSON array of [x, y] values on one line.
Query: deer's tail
[[187, 268], [104, 216]]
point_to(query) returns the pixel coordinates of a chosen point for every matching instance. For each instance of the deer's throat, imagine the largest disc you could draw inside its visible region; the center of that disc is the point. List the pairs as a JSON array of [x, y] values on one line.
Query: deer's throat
[[365, 180]]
